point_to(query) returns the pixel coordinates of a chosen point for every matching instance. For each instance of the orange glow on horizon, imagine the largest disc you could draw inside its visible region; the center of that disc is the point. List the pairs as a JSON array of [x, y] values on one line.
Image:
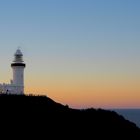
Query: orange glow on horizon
[[83, 96], [80, 91]]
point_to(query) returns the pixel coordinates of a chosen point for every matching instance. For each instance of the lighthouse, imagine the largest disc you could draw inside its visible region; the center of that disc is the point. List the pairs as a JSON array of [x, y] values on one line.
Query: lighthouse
[[18, 66], [17, 83]]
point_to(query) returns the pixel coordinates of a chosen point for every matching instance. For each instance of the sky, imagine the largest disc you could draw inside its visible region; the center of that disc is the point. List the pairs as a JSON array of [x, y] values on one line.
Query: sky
[[84, 53]]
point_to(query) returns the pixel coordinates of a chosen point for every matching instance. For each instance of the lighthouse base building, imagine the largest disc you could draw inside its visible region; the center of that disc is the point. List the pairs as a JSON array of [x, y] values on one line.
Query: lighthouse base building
[[16, 85]]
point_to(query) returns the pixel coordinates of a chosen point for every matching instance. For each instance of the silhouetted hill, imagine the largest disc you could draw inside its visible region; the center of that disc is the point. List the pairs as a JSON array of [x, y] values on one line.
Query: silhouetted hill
[[40, 113]]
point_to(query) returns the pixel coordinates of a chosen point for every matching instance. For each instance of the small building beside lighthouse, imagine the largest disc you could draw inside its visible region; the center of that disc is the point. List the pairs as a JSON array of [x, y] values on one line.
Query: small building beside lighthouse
[[16, 85]]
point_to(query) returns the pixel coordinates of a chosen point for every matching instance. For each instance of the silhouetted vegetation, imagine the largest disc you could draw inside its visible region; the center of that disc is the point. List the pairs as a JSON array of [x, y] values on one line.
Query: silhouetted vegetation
[[43, 114]]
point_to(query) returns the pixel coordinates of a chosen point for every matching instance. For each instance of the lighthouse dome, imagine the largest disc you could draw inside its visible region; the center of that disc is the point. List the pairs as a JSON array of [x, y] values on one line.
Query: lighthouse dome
[[18, 56], [18, 53]]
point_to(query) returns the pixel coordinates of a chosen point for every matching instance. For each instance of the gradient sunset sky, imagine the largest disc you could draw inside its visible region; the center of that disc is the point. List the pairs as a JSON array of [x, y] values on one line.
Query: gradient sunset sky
[[84, 53]]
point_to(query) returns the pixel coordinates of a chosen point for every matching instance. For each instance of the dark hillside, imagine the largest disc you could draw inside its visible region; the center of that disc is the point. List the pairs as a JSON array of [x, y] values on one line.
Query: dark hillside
[[42, 113]]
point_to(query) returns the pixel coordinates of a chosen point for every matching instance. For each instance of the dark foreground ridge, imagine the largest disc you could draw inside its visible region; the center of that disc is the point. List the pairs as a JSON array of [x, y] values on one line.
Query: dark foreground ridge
[[40, 113]]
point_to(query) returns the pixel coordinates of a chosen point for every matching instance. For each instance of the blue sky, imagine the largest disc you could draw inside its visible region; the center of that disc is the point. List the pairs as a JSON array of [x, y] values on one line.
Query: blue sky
[[82, 39]]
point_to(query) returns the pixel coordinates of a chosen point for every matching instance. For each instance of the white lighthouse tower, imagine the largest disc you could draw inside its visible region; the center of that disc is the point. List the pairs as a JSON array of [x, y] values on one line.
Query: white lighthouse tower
[[18, 66]]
